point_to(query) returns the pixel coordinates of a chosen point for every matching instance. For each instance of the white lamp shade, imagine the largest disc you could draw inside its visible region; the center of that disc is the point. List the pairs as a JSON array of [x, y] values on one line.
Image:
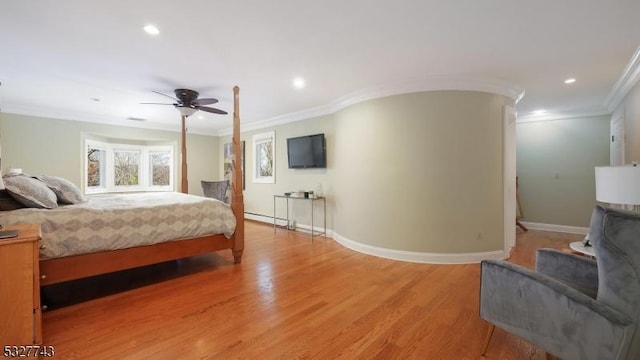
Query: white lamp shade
[[618, 184], [186, 110]]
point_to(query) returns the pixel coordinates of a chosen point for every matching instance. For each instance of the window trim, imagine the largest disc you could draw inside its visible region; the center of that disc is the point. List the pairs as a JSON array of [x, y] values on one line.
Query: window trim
[[145, 174]]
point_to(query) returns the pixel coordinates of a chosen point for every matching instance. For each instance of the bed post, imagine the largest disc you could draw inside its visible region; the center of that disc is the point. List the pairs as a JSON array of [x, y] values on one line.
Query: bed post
[[237, 198], [183, 139]]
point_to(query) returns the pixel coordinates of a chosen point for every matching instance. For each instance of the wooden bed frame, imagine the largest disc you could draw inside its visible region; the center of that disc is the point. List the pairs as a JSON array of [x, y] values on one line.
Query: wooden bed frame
[[57, 270]]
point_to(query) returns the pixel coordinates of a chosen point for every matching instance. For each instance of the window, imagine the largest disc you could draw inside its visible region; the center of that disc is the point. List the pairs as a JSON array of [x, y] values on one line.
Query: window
[[264, 160], [160, 167], [113, 167], [126, 167], [96, 167]]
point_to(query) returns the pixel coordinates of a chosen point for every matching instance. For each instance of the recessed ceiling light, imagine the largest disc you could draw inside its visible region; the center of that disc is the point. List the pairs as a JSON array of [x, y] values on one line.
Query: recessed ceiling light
[[539, 112], [151, 29], [570, 81], [200, 117], [298, 83]]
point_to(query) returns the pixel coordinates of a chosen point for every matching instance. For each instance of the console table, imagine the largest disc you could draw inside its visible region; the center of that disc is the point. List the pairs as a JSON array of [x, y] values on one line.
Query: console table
[[312, 201]]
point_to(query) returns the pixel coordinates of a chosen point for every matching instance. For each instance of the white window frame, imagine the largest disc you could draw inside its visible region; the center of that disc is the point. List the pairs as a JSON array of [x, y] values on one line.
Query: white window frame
[[145, 181], [103, 169], [111, 152], [149, 177], [266, 139]]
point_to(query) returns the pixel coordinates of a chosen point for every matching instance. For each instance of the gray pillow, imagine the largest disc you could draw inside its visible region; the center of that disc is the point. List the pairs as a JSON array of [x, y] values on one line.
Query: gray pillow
[[8, 203], [66, 191], [30, 192]]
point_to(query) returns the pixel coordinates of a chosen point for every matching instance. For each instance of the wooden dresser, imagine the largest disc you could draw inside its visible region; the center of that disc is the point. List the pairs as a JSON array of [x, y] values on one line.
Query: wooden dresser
[[20, 313]]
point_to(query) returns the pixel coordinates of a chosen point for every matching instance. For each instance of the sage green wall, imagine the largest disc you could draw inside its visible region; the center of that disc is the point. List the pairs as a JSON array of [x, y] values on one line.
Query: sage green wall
[[555, 164], [54, 147], [416, 172], [421, 172], [631, 107], [258, 197]]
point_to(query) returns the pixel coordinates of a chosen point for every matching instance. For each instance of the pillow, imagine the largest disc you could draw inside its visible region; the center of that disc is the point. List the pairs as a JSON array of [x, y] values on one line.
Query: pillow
[[30, 192], [8, 203], [66, 191]]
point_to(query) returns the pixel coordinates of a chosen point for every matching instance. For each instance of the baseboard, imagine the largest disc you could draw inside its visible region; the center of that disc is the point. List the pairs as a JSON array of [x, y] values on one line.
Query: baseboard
[[418, 257], [264, 219], [401, 255], [283, 222], [556, 228]]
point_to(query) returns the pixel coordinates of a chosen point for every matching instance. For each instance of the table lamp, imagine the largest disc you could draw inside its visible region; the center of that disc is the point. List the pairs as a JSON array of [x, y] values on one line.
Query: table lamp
[[618, 185]]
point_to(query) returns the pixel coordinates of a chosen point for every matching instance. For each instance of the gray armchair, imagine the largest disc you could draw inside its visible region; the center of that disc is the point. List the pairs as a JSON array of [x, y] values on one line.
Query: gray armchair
[[570, 306], [216, 189]]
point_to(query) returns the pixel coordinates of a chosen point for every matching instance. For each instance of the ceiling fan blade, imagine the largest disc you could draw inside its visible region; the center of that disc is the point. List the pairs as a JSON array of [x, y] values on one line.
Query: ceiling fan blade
[[212, 110], [169, 96], [200, 102], [157, 104]]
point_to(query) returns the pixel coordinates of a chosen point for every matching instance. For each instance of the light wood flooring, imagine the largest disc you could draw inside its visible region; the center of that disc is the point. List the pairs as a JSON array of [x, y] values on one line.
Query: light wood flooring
[[289, 299]]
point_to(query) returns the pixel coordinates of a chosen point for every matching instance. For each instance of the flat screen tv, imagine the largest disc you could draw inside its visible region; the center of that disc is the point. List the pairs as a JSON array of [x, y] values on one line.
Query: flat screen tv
[[307, 152]]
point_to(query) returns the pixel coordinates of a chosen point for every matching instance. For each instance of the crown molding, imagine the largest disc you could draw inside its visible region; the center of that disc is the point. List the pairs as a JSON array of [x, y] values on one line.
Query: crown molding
[[434, 83], [625, 83], [282, 119], [59, 114], [553, 117]]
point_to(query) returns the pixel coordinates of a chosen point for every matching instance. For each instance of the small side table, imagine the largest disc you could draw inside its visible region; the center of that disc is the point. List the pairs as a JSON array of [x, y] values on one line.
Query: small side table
[[311, 200], [577, 246]]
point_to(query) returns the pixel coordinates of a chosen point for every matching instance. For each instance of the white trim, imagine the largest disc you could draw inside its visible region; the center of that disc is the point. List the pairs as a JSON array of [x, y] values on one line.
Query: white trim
[[316, 230], [401, 255], [264, 219], [627, 80], [434, 83], [282, 119], [299, 227], [556, 228], [145, 171], [268, 138], [419, 257], [509, 192], [554, 117], [51, 113]]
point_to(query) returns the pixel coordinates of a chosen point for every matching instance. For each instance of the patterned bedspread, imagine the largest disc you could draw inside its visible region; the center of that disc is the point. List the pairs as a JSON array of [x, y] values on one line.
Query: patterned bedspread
[[110, 222]]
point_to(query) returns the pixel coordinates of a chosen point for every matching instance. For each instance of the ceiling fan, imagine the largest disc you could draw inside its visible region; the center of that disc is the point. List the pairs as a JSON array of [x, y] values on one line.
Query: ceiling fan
[[187, 102]]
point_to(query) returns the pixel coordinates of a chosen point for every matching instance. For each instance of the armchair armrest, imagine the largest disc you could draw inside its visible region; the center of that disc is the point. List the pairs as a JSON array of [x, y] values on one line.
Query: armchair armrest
[[576, 271], [549, 313]]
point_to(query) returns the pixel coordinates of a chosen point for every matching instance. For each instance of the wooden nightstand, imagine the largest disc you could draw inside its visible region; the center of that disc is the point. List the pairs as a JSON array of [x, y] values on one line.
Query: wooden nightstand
[[20, 311]]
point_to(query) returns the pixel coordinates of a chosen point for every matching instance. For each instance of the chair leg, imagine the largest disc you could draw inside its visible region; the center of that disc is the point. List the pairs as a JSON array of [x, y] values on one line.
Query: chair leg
[[488, 339]]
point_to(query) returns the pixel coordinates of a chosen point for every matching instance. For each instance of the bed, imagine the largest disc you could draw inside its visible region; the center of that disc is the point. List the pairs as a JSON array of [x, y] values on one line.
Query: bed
[[191, 225]]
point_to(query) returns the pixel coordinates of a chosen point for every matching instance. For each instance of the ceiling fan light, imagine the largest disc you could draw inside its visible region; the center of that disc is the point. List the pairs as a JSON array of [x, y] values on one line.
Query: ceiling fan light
[[186, 110]]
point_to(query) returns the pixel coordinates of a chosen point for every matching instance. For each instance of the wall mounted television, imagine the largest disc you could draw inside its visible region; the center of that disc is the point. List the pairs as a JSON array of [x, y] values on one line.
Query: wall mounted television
[[306, 152]]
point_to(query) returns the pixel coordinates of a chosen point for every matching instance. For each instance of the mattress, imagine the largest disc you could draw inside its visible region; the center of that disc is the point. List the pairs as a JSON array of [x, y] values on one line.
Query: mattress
[[119, 221]]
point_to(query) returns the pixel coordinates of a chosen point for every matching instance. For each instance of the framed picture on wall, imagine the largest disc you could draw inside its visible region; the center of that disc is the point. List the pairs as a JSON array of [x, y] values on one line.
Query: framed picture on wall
[[228, 163], [264, 167]]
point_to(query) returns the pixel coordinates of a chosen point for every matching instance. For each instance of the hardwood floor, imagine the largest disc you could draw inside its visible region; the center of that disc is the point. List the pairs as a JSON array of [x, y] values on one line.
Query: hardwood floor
[[289, 299]]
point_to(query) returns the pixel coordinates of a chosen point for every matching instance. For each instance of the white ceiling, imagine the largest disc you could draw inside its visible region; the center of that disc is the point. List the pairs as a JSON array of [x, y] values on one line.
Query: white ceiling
[[55, 56]]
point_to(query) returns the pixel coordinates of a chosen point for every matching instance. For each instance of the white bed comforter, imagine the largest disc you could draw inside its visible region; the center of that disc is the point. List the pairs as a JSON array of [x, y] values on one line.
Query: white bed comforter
[[110, 222]]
